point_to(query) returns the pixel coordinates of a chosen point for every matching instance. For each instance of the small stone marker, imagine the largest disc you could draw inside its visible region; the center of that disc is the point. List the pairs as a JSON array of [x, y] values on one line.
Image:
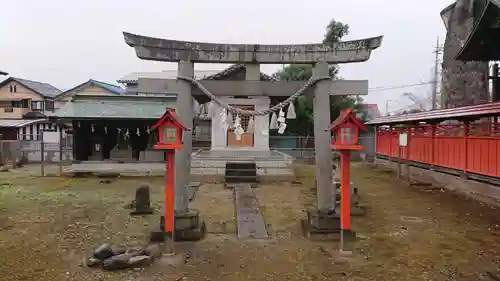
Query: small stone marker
[[142, 201], [103, 252]]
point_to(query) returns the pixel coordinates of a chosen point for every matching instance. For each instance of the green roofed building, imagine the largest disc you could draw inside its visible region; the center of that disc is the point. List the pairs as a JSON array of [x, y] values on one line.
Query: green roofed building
[[114, 127]]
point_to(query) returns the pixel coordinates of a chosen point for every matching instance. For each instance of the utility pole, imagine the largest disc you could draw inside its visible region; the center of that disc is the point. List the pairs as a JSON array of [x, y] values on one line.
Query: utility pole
[[437, 51], [387, 107]]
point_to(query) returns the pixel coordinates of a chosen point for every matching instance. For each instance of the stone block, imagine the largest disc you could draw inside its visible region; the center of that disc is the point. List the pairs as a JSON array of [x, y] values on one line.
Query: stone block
[[261, 171], [278, 171], [103, 252], [323, 221], [271, 164], [154, 251], [117, 262], [197, 163], [186, 220], [140, 261]]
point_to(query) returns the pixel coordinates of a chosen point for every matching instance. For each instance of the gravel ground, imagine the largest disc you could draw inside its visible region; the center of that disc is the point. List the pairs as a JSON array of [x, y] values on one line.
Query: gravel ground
[[48, 227]]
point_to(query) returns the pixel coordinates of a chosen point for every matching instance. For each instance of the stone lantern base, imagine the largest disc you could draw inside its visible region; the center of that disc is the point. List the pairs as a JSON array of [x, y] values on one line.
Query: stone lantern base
[[188, 227], [322, 222]]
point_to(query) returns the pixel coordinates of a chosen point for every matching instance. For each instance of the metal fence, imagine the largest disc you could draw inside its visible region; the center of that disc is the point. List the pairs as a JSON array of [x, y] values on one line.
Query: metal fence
[[29, 150], [299, 147]]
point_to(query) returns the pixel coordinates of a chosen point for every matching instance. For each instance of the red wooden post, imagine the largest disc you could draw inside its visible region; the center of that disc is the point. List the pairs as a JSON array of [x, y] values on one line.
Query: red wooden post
[[345, 132], [466, 148], [408, 149], [169, 139], [433, 147], [169, 190], [345, 190]]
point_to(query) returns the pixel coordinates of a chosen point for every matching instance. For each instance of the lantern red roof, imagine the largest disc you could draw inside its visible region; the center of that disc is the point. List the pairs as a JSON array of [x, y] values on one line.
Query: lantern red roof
[[349, 116], [169, 115]]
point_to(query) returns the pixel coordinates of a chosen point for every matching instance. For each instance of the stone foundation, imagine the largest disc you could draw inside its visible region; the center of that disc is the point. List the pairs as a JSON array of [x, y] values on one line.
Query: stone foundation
[[188, 227], [487, 193], [269, 163]]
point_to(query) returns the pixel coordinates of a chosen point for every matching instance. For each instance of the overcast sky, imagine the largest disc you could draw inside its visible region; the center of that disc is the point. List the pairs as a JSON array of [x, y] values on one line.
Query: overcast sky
[[66, 42]]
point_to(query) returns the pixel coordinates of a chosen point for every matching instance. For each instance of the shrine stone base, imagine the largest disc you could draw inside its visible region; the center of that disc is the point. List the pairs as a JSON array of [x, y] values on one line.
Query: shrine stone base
[[271, 164], [188, 227], [323, 223]]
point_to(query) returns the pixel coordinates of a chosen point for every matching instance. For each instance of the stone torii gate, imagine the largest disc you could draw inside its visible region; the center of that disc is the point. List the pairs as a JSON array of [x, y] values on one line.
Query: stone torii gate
[[323, 217]]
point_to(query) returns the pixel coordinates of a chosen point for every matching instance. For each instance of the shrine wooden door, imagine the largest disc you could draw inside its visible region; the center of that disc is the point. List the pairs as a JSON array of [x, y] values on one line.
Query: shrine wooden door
[[247, 139]]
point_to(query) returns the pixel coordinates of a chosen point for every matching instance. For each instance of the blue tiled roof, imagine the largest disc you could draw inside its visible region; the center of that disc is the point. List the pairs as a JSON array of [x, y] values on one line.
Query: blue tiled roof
[[115, 89], [110, 87]]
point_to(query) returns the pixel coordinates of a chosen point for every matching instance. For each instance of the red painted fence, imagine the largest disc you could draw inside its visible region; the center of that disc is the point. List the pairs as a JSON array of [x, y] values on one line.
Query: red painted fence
[[472, 148]]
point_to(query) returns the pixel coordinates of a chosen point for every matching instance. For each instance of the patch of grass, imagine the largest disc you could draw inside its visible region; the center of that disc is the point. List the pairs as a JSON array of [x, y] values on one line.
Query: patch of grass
[[54, 224]]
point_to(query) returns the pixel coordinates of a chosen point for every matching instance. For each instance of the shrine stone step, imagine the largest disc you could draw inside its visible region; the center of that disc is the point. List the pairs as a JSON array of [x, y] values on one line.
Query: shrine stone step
[[240, 172], [264, 167]]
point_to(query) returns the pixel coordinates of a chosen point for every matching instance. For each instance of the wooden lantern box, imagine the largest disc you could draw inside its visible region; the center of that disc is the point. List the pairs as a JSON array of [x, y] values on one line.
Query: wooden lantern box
[[345, 131], [170, 131]]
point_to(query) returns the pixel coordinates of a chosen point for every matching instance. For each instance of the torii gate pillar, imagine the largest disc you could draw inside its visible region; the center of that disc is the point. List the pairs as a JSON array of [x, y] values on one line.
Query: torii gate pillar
[[324, 186], [188, 225], [324, 218], [182, 157]]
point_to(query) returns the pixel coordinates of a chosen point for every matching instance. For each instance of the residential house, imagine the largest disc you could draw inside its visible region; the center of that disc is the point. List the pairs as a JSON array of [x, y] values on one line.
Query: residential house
[[22, 99], [89, 88], [21, 96], [371, 111]]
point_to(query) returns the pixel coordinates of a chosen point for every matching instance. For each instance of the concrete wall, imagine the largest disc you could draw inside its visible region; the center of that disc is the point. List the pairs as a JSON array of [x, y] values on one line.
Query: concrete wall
[[21, 93], [484, 192]]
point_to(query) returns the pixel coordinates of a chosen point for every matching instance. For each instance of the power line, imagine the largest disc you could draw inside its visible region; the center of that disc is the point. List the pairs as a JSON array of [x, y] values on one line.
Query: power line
[[387, 88]]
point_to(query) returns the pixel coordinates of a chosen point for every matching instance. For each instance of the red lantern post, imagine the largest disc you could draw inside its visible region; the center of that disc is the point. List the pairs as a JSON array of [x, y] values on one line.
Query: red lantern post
[[170, 132], [345, 135]]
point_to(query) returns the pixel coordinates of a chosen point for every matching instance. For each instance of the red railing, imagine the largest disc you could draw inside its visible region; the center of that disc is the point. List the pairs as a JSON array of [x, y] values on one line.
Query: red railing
[[471, 148]]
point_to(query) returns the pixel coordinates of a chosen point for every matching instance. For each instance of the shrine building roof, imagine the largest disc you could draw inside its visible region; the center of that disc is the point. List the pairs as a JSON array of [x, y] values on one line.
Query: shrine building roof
[[114, 107]]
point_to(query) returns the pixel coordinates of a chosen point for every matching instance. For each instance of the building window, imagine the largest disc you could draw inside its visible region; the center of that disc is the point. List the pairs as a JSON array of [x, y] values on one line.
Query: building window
[[13, 88], [49, 105], [37, 105], [17, 104]]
